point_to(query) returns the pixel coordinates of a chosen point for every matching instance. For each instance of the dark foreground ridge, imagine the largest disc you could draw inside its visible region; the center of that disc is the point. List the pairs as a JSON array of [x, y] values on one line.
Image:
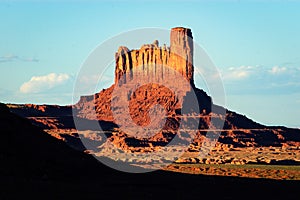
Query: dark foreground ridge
[[34, 164]]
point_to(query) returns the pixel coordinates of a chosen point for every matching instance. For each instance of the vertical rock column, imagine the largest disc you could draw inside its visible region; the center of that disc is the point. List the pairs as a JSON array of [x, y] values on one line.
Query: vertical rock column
[[181, 47], [123, 63], [150, 60]]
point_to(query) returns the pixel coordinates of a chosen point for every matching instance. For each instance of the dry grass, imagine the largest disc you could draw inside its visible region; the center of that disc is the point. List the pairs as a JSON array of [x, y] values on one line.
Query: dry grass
[[279, 172]]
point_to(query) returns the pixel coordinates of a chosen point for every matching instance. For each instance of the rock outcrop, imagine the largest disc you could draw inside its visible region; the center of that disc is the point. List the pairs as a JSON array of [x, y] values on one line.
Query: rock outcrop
[[158, 67], [238, 130], [152, 60]]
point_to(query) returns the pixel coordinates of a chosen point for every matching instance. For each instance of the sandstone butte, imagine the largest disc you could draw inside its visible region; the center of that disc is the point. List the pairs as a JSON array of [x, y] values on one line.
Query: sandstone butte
[[149, 62], [242, 141], [154, 58], [238, 130]]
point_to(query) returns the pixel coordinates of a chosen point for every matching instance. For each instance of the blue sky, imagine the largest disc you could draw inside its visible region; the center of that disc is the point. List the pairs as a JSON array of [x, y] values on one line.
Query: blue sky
[[255, 45]]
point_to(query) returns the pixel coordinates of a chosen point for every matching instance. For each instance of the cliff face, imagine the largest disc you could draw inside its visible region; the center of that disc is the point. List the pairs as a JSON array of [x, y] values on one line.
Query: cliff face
[[155, 71], [154, 61]]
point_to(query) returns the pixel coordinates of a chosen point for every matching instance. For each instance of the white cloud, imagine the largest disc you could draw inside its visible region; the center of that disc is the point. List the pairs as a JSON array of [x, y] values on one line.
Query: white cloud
[[11, 58], [245, 72], [261, 79], [234, 73], [41, 83], [277, 70]]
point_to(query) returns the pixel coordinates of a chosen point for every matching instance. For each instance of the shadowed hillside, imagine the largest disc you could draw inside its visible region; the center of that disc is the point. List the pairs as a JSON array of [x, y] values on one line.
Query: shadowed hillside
[[34, 164], [133, 105]]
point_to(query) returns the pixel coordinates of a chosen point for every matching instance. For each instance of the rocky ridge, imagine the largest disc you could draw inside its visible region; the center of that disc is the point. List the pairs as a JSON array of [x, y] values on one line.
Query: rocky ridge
[[238, 132]]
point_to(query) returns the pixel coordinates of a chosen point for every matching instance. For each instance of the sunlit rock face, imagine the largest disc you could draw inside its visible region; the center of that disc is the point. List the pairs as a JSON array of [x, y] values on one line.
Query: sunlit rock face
[[152, 61], [152, 75]]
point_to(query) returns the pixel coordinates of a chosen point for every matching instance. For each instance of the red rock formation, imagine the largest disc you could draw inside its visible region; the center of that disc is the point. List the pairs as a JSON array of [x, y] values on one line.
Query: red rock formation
[[158, 66], [181, 49], [154, 59], [150, 62]]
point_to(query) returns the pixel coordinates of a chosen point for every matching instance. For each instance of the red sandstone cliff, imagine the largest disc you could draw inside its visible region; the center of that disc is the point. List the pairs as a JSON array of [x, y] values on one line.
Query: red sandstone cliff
[[238, 129], [158, 66], [151, 60]]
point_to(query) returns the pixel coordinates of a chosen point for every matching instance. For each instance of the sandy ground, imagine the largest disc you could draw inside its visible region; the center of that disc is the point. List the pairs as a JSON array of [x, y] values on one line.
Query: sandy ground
[[281, 163]]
